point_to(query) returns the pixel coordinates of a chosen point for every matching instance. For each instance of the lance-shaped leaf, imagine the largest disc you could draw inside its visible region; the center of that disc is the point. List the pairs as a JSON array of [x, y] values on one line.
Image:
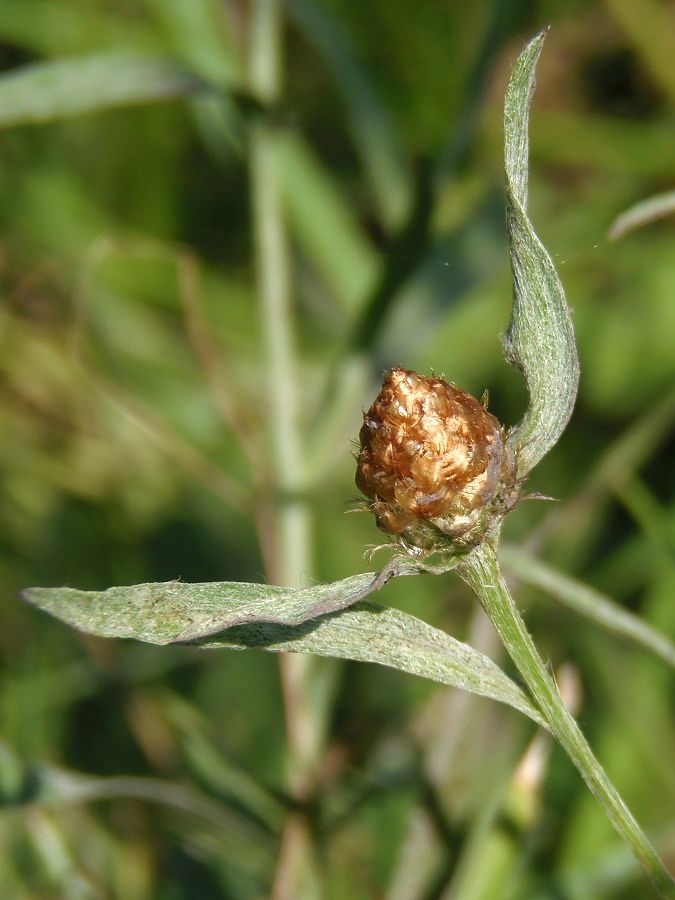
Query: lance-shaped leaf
[[171, 611], [540, 339], [315, 620], [587, 602], [45, 92], [367, 632], [642, 213]]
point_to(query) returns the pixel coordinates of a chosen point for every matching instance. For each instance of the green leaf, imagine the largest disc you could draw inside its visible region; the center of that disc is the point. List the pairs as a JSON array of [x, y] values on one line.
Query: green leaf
[[197, 33], [587, 602], [314, 620], [45, 92], [325, 226], [540, 339], [246, 843], [367, 632], [376, 140], [170, 612], [642, 213]]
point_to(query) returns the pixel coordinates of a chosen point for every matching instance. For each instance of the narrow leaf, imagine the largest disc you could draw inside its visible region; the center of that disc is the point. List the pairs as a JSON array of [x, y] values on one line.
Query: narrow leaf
[[368, 632], [314, 620], [540, 339], [587, 602], [376, 139], [247, 844], [172, 611], [642, 213], [326, 227], [45, 92]]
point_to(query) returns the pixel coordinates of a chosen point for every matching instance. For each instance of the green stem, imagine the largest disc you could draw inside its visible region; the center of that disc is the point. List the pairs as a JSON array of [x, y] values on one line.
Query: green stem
[[480, 569], [289, 561], [291, 521], [587, 602]]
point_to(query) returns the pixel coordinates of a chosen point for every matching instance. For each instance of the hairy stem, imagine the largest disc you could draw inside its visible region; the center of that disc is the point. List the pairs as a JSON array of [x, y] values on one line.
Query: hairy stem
[[480, 570], [289, 560]]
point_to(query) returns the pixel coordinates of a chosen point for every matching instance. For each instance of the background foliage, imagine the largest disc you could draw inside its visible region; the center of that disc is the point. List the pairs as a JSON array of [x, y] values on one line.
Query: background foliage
[[134, 447]]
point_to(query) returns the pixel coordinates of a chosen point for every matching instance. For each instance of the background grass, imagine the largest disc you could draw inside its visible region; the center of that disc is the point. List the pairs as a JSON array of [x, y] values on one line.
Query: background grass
[[134, 446]]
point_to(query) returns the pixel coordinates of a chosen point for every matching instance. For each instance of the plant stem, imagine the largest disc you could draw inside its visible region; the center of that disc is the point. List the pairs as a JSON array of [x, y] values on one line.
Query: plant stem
[[289, 561], [587, 602], [274, 290], [480, 569], [292, 551]]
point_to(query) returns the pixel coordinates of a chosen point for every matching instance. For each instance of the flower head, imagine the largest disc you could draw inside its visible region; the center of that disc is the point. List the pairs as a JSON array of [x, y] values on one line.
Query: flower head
[[432, 461]]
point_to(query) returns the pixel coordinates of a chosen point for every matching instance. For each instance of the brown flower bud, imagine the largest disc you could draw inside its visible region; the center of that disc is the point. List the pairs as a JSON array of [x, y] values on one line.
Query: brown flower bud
[[433, 462]]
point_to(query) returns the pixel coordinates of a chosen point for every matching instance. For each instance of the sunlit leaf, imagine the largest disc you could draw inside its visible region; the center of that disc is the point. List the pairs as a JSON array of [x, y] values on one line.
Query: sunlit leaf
[[540, 340], [368, 632], [171, 611], [314, 620], [197, 33], [376, 140]]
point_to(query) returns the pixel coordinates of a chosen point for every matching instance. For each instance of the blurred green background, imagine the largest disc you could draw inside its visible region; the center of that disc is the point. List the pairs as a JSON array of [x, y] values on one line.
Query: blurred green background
[[134, 445]]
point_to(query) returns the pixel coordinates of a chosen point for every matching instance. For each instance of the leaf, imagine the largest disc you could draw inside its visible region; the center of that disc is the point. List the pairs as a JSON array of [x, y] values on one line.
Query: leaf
[[367, 632], [198, 33], [45, 92], [247, 844], [317, 208], [170, 612], [587, 602], [540, 339], [314, 620], [642, 213], [375, 138]]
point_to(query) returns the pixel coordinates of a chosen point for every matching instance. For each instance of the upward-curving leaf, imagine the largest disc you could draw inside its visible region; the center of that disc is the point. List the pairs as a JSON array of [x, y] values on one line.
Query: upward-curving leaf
[[540, 339]]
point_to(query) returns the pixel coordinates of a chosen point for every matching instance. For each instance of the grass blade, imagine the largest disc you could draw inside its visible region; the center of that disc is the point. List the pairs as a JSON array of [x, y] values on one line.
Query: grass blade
[[45, 92], [642, 213], [587, 602], [375, 138]]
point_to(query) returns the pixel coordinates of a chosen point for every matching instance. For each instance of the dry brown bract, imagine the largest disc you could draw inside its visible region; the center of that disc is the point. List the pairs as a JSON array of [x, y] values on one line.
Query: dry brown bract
[[431, 460]]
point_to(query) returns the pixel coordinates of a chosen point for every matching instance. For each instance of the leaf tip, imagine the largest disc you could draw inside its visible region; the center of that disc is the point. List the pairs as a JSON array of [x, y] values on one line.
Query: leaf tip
[[30, 595], [540, 338]]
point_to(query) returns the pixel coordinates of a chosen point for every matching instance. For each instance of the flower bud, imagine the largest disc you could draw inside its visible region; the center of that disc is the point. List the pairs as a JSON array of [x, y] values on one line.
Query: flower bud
[[433, 462]]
